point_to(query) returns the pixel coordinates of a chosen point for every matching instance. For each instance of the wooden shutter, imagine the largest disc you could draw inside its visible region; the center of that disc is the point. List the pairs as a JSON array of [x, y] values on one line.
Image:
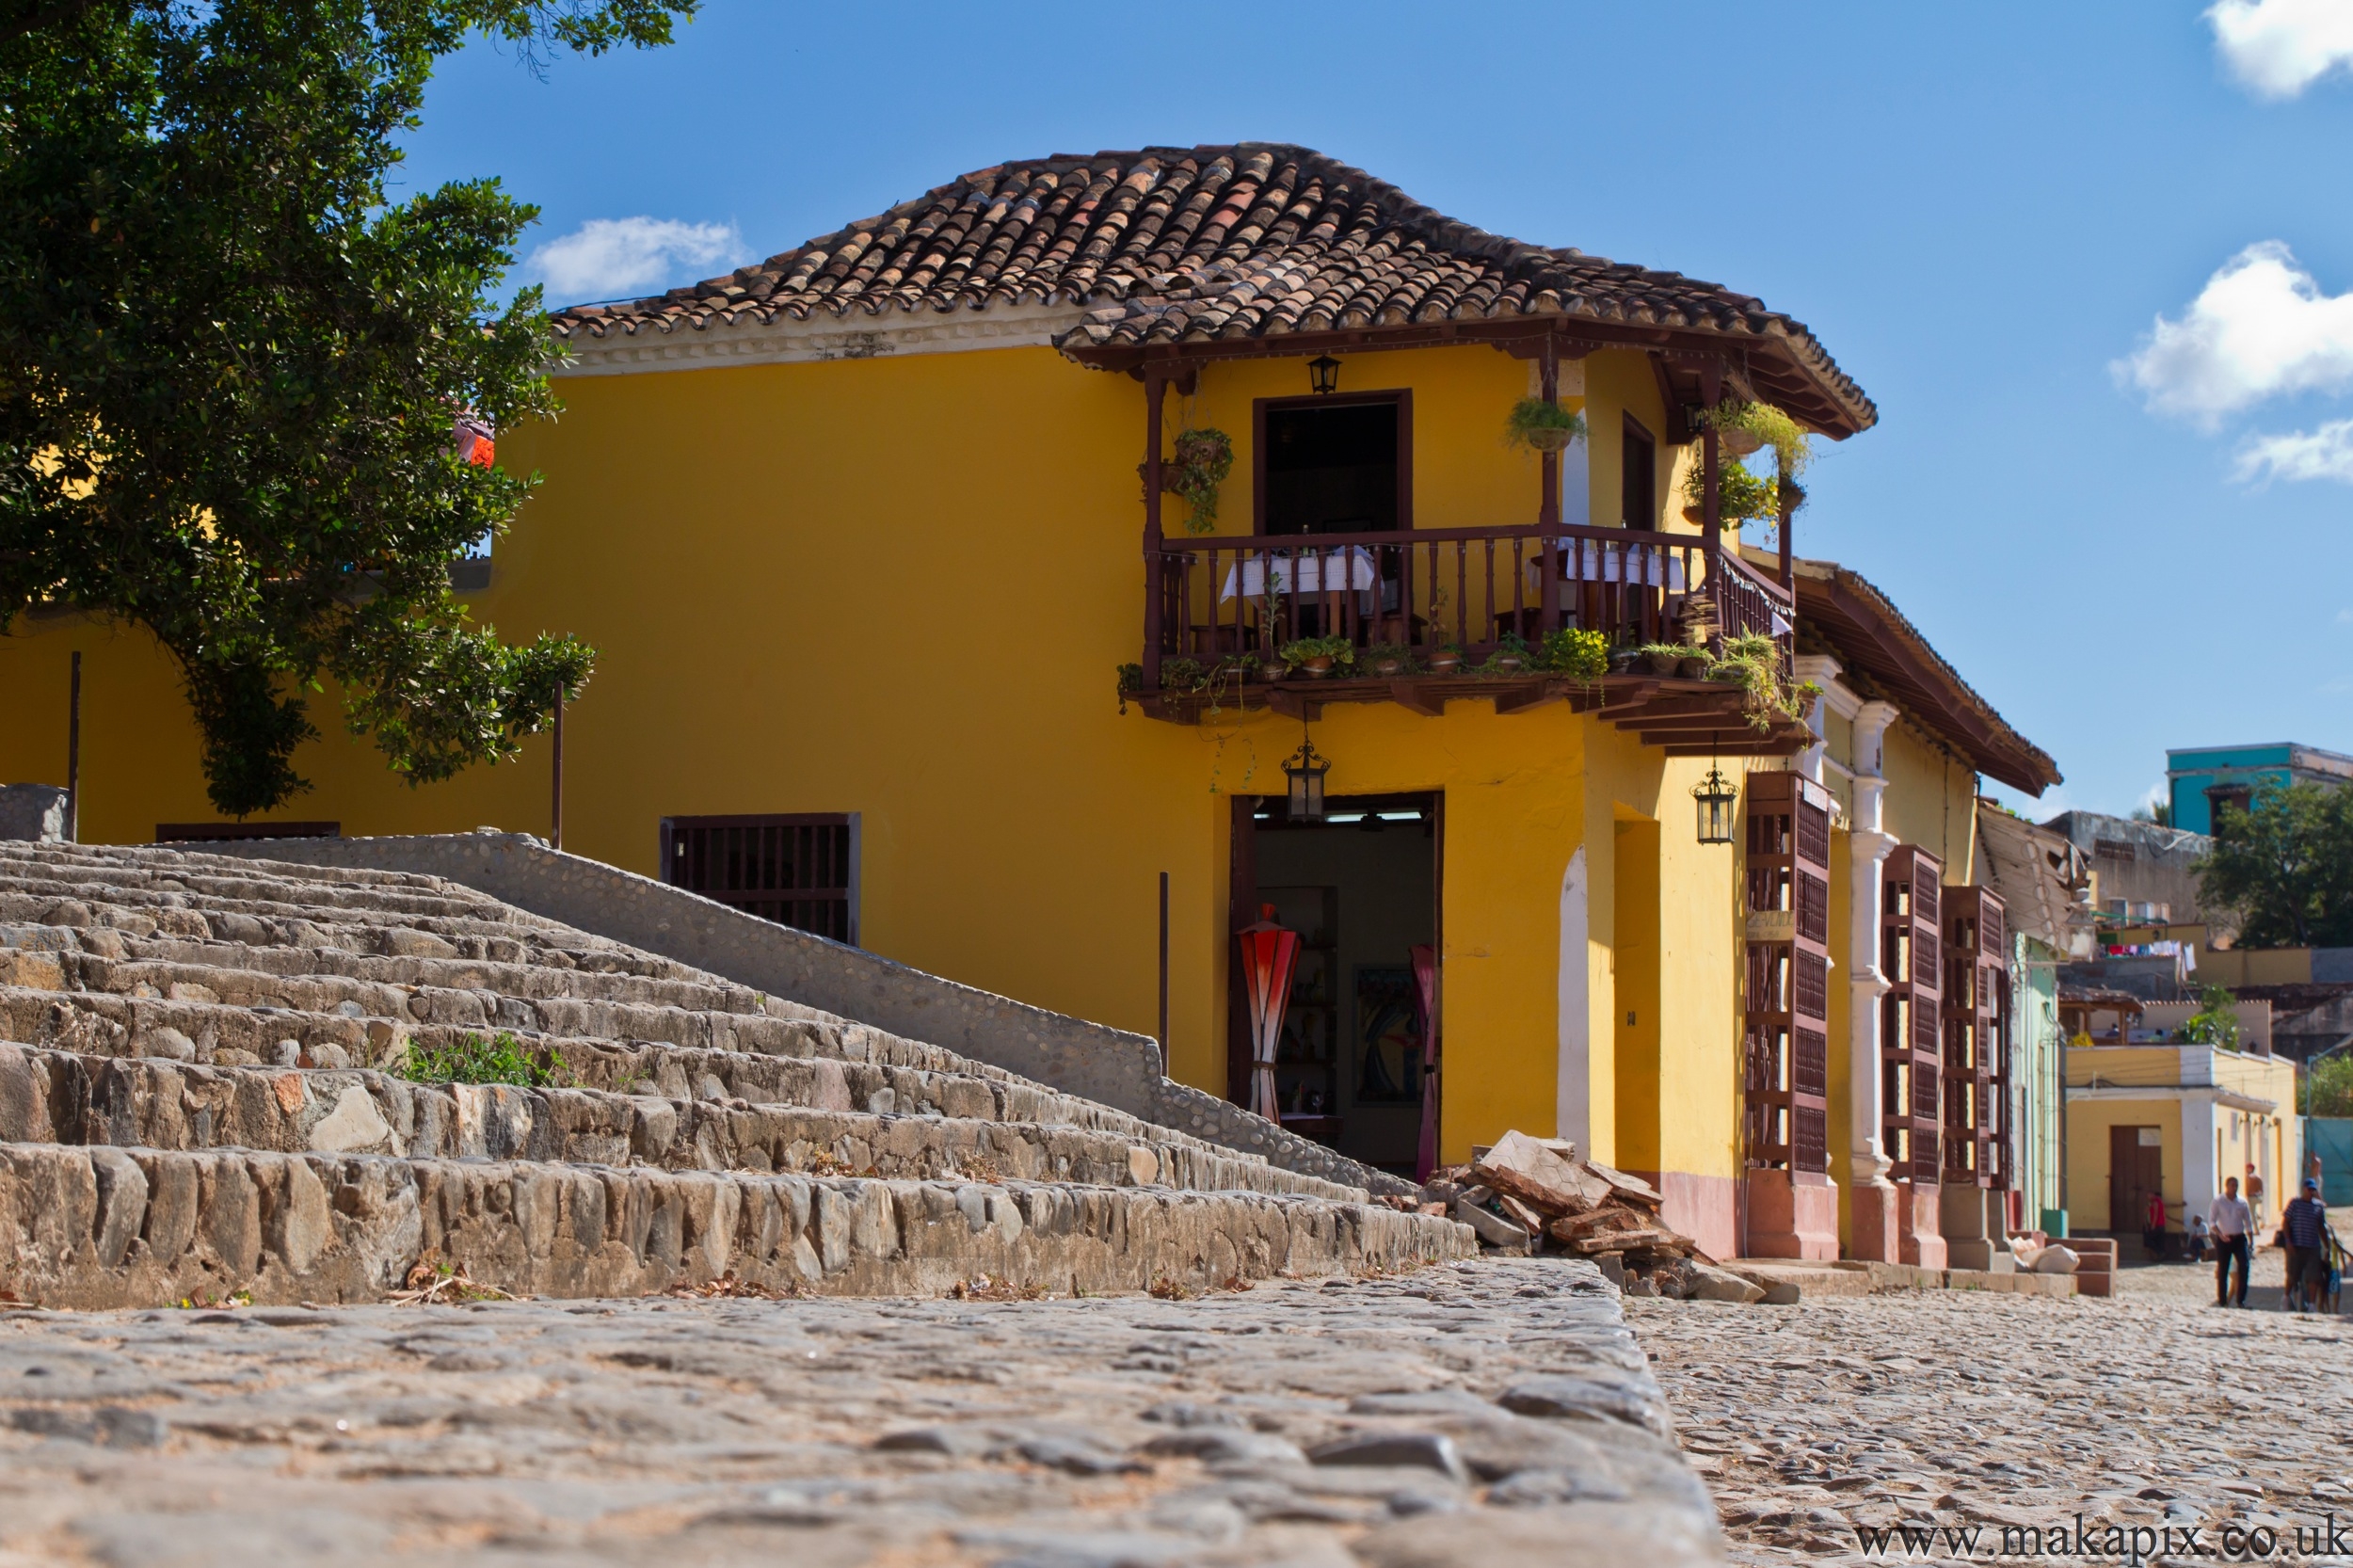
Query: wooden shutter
[[1786, 1008], [1976, 1038], [1911, 1037], [796, 869]]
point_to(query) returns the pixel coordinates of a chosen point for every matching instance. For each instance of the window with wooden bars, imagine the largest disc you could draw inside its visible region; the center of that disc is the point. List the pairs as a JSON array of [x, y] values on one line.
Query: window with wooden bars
[[797, 868]]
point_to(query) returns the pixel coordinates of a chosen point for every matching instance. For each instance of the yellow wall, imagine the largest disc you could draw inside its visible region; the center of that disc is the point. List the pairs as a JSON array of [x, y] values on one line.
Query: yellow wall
[[2236, 967], [900, 587], [2270, 1140]]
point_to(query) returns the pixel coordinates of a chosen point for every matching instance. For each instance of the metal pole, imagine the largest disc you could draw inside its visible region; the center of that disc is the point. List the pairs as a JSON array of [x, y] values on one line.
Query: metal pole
[[555, 824], [73, 755], [1163, 974]]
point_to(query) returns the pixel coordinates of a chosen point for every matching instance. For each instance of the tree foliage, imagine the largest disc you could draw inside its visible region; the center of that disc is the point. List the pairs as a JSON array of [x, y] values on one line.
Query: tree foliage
[[2283, 865], [2327, 1088], [230, 364]]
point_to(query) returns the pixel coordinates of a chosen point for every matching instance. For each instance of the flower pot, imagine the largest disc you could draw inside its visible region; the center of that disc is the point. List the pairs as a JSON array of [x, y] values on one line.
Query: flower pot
[[1741, 443], [1549, 438], [1444, 662], [1318, 667], [1388, 669], [1692, 669], [1508, 663], [1663, 664], [1623, 661]]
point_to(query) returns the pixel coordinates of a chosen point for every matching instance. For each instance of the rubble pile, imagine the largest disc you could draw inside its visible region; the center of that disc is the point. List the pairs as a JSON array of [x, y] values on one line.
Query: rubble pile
[[1534, 1195]]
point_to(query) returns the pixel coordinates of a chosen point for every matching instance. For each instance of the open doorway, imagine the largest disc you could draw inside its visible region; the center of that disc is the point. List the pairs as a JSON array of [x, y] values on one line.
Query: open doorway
[[1335, 464], [1361, 888]]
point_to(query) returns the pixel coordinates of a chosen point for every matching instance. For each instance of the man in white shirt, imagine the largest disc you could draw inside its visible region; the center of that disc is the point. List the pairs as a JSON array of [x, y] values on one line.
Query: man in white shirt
[[2233, 1227]]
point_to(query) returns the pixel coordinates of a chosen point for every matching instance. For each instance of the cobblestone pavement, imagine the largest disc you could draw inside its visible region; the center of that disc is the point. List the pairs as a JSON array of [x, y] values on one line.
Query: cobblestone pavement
[[1493, 1413], [2155, 1409]]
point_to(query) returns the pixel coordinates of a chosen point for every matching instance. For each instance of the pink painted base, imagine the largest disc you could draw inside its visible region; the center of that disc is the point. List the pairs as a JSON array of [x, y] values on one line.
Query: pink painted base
[[1871, 1231], [1793, 1216], [1920, 1239], [1700, 1207]]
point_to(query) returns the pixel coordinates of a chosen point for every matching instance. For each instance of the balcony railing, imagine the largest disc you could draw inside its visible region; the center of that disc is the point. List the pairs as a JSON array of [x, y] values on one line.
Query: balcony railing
[[1426, 589]]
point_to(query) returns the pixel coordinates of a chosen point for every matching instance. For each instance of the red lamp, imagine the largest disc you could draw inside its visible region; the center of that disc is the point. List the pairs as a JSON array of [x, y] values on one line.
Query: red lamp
[[1269, 954]]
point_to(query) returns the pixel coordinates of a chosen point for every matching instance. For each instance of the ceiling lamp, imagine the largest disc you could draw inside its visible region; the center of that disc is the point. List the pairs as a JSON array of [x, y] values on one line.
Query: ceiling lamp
[[1324, 374]]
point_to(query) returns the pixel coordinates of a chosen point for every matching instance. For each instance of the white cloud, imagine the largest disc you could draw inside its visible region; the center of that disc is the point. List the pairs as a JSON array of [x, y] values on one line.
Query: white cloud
[[2278, 48], [608, 257], [2323, 454], [2258, 329]]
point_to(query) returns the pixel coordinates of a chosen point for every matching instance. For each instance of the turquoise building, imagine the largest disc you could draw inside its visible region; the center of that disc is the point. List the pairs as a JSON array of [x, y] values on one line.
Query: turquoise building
[[2203, 777]]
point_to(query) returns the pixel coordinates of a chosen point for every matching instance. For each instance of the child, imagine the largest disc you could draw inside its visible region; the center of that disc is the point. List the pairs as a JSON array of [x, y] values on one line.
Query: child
[[2198, 1239]]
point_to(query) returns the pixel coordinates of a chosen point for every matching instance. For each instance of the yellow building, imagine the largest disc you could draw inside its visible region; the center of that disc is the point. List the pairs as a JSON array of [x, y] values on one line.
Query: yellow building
[[882, 617], [2155, 1115]]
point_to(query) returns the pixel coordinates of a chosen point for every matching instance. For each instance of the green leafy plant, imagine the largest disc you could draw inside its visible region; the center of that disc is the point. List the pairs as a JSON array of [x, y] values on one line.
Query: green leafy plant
[[1793, 448], [2216, 1022], [233, 352], [2326, 1089], [471, 1059], [1534, 424], [2283, 864], [1338, 650], [1740, 495], [1401, 652], [1574, 651], [1753, 663], [1670, 651], [1203, 458]]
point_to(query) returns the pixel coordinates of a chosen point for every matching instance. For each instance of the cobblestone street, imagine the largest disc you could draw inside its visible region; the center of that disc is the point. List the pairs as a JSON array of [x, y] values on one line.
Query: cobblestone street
[[1490, 1416], [1962, 1409]]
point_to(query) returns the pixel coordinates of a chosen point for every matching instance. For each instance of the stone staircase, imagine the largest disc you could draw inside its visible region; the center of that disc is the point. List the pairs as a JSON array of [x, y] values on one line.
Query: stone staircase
[[214, 1079]]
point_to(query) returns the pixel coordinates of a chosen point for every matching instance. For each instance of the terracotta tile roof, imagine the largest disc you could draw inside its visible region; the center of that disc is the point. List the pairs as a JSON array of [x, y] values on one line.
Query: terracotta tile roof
[[1193, 246], [1867, 633]]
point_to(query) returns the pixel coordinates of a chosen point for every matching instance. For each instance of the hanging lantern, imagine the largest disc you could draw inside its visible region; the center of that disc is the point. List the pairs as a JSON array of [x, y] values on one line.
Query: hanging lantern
[[1324, 374], [1717, 801], [1306, 769]]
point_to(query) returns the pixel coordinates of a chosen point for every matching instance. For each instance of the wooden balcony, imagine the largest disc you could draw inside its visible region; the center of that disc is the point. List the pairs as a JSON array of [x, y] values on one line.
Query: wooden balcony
[[1212, 602]]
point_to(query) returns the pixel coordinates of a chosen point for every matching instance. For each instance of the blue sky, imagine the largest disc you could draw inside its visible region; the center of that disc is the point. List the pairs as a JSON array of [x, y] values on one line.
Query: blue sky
[[1983, 210]]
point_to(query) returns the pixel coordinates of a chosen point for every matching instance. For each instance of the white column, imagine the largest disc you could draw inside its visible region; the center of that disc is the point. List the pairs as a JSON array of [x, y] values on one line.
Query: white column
[[2200, 1182], [1868, 848], [1823, 672], [1573, 1091]]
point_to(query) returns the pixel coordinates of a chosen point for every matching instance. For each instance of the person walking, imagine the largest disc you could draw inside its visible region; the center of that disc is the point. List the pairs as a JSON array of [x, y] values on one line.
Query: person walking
[[2233, 1227], [2305, 1226], [2254, 1197]]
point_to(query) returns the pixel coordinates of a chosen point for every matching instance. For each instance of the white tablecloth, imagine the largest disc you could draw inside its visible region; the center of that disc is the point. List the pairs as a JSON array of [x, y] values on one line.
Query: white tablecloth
[[1350, 567]]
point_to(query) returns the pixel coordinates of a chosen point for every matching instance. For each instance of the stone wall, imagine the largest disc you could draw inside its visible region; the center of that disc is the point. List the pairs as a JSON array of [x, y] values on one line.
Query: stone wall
[[1091, 1060], [33, 811]]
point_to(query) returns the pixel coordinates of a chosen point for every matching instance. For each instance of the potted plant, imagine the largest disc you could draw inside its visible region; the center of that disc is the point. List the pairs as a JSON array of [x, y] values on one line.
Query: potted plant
[[1318, 656], [1624, 657], [1573, 651], [1662, 658], [1512, 655], [1388, 660], [1542, 426], [1445, 661], [1203, 459], [1739, 495]]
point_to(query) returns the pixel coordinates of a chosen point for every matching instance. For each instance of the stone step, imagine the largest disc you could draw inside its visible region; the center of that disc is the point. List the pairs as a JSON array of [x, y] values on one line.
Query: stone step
[[64, 1097], [103, 1227], [215, 1038]]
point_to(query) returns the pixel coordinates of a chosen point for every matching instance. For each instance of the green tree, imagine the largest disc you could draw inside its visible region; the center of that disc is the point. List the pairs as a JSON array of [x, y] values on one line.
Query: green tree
[[2283, 865], [230, 364]]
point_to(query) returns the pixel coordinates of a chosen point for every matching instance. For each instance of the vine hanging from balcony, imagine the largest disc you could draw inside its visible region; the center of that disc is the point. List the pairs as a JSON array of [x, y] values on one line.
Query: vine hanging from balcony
[[1204, 456]]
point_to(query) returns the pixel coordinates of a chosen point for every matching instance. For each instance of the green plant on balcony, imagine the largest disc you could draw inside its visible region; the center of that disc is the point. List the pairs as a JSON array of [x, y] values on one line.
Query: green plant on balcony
[[1746, 428], [1536, 425], [1753, 663], [1203, 458], [1573, 651], [1740, 495], [1389, 659], [2216, 1022], [1318, 655]]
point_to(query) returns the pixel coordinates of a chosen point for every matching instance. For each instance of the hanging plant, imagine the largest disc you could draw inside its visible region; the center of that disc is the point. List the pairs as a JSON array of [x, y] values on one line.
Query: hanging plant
[[1203, 459], [1541, 426], [1739, 494], [1747, 427]]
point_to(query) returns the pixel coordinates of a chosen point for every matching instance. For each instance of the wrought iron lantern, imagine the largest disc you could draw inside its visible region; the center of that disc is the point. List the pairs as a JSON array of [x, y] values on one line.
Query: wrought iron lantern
[[1717, 802], [1306, 769], [1323, 373]]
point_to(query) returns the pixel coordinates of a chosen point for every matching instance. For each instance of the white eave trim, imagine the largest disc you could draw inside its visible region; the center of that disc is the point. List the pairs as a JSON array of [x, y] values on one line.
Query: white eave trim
[[824, 336], [2231, 1098]]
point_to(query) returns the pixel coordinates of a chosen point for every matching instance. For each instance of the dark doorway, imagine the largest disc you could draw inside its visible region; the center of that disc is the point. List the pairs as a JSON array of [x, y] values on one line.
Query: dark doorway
[[1638, 482], [2136, 1171], [796, 869], [1334, 465], [1361, 887]]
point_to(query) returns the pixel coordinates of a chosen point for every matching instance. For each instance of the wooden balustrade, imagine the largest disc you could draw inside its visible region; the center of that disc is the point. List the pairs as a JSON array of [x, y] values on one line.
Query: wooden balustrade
[[1426, 589]]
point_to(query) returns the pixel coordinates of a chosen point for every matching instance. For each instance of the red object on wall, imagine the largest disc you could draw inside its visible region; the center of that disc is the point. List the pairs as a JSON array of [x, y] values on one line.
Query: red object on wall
[[1269, 954], [1426, 1003]]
